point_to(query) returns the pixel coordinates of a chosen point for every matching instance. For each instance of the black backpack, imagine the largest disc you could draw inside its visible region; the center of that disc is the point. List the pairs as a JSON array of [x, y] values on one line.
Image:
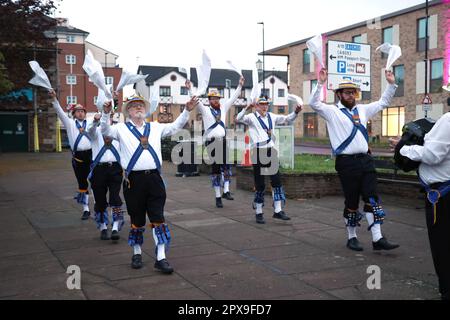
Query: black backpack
[[413, 134]]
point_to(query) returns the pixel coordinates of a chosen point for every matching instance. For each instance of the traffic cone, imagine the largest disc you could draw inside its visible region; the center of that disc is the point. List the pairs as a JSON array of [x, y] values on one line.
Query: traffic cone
[[246, 162]]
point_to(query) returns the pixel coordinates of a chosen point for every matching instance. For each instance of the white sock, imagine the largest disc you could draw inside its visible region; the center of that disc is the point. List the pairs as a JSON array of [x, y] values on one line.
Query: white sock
[[116, 226], [217, 190], [161, 251], [259, 208], [351, 231], [103, 226], [137, 249], [226, 186], [376, 228], [277, 205]]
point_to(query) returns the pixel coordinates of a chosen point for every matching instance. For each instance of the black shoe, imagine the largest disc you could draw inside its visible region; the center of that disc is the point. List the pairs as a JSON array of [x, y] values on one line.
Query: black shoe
[[163, 266], [383, 244], [353, 244], [136, 261], [227, 196], [104, 235], [115, 235], [260, 219], [86, 215], [281, 215], [219, 203]]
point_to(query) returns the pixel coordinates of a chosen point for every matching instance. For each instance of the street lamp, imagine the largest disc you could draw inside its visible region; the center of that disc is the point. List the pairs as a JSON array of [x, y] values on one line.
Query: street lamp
[[106, 65], [264, 55]]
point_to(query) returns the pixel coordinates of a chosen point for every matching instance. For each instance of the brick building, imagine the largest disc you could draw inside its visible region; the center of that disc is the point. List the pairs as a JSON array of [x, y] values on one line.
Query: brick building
[[405, 28]]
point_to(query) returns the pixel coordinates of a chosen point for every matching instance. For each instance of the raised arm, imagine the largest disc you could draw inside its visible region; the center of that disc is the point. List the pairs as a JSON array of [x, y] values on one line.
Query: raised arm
[[172, 128], [373, 108], [105, 126], [318, 106], [227, 105], [436, 146], [92, 127], [59, 110], [242, 117], [289, 118]]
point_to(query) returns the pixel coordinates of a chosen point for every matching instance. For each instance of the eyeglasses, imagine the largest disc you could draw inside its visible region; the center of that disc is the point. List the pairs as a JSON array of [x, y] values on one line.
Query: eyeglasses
[[348, 93]]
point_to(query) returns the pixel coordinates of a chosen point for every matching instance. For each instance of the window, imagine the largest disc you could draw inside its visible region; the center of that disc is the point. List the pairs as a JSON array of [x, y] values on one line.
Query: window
[[281, 109], [184, 91], [310, 125], [437, 75], [242, 95], [95, 99], [265, 92], [222, 92], [71, 59], [280, 93], [109, 80], [313, 85], [165, 108], [393, 120], [388, 36], [306, 61], [71, 100], [421, 34], [357, 39], [70, 39], [164, 91], [71, 79], [399, 73]]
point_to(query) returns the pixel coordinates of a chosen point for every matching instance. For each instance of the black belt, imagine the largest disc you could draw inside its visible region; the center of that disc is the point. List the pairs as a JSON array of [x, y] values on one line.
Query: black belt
[[107, 164], [144, 172], [358, 155]]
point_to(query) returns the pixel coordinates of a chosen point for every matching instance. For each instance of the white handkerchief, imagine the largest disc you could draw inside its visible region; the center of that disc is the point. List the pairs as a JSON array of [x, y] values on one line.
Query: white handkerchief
[[294, 100], [102, 99], [186, 70], [40, 77], [315, 46], [393, 51], [256, 90], [129, 78], [94, 70], [154, 101], [232, 67], [203, 74]]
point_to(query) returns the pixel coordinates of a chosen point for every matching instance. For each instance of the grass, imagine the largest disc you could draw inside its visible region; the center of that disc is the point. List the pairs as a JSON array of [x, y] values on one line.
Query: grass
[[307, 163]]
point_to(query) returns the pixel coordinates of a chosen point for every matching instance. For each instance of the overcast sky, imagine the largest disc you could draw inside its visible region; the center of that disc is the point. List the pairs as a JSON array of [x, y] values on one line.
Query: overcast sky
[[174, 32]]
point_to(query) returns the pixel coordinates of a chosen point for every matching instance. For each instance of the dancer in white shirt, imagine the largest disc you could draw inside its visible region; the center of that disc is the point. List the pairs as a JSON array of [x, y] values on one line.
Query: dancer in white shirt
[[80, 145], [434, 174], [106, 176], [214, 119], [264, 155], [144, 189], [346, 123]]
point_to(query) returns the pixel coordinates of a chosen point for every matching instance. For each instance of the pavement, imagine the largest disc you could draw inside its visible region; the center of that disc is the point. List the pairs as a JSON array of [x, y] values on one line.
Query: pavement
[[216, 253], [320, 149]]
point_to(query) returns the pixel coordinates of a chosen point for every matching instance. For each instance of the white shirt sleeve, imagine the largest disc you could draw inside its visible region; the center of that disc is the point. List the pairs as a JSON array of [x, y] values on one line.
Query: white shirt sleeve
[[172, 128], [318, 106], [280, 119], [243, 118], [227, 105], [61, 114], [436, 146], [373, 108], [106, 128], [92, 130]]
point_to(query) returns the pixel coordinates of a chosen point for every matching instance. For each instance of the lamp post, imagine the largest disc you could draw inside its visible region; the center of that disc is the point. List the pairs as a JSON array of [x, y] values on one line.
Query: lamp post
[[264, 64], [106, 65], [426, 54]]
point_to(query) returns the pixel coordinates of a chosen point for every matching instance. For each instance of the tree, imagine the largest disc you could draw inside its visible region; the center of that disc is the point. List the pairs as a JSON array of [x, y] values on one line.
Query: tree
[[26, 35], [5, 84]]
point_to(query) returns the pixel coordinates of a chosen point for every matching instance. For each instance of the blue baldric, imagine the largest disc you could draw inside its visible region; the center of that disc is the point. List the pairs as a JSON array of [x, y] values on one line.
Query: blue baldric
[[142, 146], [433, 195], [83, 133], [106, 146], [217, 115], [264, 126], [354, 118]]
